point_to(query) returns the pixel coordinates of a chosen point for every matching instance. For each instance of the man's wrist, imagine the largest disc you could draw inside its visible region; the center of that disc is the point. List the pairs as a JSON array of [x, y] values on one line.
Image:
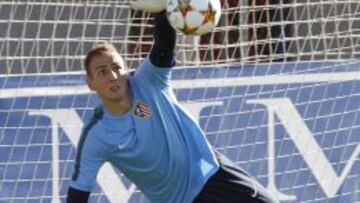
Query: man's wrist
[[160, 17]]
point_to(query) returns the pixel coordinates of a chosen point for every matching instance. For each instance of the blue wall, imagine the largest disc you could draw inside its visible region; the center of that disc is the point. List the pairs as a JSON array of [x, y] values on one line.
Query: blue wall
[[237, 127]]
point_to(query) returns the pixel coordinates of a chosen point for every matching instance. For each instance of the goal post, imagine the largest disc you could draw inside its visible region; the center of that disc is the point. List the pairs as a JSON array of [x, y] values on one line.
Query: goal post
[[275, 87]]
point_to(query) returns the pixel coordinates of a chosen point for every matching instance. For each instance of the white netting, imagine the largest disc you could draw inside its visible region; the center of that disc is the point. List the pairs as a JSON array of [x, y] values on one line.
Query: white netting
[[48, 36]]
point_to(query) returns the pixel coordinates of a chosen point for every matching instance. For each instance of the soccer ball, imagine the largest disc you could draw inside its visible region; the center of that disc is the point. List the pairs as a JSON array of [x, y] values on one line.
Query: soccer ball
[[193, 17]]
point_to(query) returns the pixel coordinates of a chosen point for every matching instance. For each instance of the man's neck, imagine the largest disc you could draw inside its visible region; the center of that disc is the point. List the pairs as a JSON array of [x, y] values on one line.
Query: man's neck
[[118, 107]]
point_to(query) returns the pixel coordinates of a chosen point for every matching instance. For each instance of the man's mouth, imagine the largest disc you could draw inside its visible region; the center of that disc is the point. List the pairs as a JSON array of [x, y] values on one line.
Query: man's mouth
[[115, 88]]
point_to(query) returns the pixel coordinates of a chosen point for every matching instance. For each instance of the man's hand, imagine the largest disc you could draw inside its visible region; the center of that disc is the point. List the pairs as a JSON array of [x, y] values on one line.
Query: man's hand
[[152, 6]]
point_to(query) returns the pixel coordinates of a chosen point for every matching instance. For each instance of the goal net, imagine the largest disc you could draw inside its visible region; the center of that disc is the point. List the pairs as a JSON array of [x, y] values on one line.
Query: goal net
[[275, 87]]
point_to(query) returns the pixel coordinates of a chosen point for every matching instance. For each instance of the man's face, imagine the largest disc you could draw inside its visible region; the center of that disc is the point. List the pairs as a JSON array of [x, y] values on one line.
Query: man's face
[[108, 77]]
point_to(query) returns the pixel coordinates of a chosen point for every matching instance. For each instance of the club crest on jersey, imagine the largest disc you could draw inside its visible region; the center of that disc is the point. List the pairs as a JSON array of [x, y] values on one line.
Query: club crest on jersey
[[142, 110]]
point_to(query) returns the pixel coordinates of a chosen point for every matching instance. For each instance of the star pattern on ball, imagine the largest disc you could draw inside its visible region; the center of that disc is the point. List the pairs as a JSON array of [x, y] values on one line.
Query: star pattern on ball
[[209, 15], [192, 17], [184, 7]]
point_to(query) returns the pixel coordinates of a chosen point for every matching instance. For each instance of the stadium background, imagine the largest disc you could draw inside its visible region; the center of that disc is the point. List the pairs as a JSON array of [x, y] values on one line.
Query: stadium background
[[275, 88]]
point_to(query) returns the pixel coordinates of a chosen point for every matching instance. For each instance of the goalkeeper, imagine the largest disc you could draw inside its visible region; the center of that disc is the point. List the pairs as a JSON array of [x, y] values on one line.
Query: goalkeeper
[[141, 129]]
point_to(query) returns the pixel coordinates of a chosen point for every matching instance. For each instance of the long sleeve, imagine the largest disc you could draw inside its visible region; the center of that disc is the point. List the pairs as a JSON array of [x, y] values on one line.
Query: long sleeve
[[163, 50]]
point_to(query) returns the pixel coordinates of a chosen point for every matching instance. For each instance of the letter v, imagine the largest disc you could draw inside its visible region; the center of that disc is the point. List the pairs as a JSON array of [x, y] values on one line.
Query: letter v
[[303, 139]]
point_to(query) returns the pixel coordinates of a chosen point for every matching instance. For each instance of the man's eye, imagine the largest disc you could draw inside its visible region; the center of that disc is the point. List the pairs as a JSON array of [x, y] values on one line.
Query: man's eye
[[116, 67], [102, 72]]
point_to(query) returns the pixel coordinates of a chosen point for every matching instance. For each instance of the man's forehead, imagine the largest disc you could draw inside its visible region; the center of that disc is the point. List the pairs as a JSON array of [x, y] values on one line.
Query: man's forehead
[[108, 58], [117, 58]]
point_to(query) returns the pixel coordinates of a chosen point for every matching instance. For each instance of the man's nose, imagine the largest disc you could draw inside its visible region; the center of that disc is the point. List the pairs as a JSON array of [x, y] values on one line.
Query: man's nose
[[113, 75]]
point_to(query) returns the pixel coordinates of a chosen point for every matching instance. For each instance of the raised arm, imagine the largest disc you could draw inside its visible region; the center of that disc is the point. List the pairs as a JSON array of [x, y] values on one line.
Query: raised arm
[[163, 51]]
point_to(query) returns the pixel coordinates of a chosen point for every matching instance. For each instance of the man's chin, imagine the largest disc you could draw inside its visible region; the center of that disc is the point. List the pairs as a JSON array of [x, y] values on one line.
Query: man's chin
[[117, 97], [112, 97]]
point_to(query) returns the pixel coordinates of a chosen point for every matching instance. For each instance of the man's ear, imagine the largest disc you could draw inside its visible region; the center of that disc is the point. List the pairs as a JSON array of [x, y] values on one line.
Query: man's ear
[[90, 84]]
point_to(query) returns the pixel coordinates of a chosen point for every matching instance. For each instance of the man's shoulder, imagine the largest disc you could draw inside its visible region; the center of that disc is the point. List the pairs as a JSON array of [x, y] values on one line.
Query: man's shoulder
[[147, 67], [97, 115], [98, 112]]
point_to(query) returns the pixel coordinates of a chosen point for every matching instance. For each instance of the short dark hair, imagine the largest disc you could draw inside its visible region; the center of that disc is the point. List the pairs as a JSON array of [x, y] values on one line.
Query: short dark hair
[[99, 49]]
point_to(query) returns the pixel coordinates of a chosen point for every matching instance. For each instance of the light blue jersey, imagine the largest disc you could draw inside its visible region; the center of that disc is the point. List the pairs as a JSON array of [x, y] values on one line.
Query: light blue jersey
[[157, 145]]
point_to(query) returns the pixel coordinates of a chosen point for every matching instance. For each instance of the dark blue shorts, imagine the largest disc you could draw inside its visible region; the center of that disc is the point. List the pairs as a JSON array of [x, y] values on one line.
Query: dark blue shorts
[[231, 184]]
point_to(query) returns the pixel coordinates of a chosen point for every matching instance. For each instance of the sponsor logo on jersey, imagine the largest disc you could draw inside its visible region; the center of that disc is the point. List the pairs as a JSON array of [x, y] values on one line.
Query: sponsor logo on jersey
[[142, 110]]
